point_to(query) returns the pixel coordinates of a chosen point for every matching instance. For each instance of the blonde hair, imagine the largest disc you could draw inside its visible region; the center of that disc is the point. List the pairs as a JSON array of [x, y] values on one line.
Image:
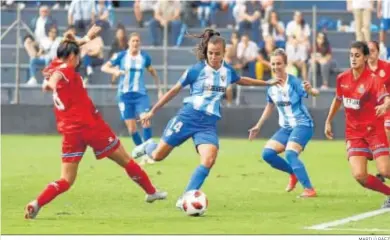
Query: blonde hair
[[280, 52]]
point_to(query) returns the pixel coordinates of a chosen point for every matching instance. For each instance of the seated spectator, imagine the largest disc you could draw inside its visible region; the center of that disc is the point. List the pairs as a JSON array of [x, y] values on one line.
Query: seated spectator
[[40, 26], [274, 28], [263, 64], [47, 51], [92, 56], [166, 14], [247, 54], [267, 6], [234, 40], [225, 6], [323, 59], [297, 47], [102, 14], [247, 14], [119, 44], [231, 58], [203, 11], [141, 7], [81, 14]]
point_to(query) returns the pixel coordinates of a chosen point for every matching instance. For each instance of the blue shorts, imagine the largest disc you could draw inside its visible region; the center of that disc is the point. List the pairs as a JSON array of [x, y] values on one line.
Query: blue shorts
[[131, 105], [191, 123], [385, 24], [298, 134]]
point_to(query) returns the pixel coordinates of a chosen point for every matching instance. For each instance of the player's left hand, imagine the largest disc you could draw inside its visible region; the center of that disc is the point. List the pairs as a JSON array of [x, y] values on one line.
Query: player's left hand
[[381, 109], [307, 86], [145, 118]]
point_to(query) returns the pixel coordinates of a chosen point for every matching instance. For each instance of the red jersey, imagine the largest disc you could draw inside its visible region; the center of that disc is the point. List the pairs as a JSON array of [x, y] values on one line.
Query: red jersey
[[360, 97], [73, 108], [383, 72]]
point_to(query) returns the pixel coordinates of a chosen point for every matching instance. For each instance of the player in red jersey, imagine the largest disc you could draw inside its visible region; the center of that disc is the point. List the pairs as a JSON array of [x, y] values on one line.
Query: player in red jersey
[[365, 100], [382, 70], [81, 125]]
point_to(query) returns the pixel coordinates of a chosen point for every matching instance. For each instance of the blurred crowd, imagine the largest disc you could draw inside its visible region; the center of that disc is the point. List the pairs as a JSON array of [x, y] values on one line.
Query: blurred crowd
[[257, 31]]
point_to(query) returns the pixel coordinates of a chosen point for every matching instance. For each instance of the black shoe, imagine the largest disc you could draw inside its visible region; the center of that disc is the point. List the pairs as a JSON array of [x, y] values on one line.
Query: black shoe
[[380, 177]]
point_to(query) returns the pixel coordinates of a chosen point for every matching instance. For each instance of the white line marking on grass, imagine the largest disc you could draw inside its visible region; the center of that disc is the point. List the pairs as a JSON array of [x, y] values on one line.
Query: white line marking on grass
[[355, 218], [359, 229]]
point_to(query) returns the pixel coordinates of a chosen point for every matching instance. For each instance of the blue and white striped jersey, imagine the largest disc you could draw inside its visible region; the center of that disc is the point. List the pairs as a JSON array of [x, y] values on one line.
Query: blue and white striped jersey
[[207, 86], [289, 102], [134, 67]]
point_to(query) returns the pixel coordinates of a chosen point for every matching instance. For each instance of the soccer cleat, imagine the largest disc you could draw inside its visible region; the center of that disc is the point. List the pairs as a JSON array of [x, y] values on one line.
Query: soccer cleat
[[156, 196], [31, 210], [308, 193], [179, 203], [386, 204], [140, 150], [380, 177], [293, 182]]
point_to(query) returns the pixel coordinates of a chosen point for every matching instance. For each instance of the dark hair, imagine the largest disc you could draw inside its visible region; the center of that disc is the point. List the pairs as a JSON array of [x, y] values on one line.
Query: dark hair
[[280, 52], [375, 43], [208, 36], [68, 46], [325, 48], [121, 42], [270, 26], [48, 29], [362, 46]]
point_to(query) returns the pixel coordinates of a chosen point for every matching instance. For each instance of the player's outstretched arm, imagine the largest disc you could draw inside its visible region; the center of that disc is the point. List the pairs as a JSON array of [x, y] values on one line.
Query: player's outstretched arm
[[110, 69], [310, 90], [247, 81], [384, 107], [264, 116], [52, 82], [334, 107]]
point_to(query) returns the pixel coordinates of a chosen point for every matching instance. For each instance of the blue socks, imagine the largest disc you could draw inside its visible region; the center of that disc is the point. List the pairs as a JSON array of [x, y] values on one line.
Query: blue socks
[[273, 159], [136, 138], [298, 168], [197, 178], [147, 133]]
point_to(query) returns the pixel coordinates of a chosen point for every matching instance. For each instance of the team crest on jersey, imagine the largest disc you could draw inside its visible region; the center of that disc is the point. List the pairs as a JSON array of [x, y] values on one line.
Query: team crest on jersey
[[361, 89], [223, 78], [382, 73]]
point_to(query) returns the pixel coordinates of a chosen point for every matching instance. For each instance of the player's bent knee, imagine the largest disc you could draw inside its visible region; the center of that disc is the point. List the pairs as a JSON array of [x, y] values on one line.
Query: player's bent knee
[[361, 177], [208, 162], [268, 153]]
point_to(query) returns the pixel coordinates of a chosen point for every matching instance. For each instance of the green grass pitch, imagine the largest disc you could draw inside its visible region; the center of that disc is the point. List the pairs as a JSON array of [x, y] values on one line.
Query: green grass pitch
[[245, 195]]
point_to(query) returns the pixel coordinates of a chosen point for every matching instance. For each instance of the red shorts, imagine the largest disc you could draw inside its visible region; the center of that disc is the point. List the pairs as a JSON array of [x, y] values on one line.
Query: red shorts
[[100, 137], [372, 146]]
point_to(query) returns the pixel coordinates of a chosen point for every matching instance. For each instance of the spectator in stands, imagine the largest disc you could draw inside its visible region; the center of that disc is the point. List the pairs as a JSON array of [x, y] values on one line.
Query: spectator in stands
[[64, 3], [234, 40], [47, 51], [263, 64], [81, 14], [247, 54], [119, 44], [297, 47], [203, 11], [225, 6], [40, 26], [232, 59], [275, 28], [141, 7], [103, 14], [267, 7], [166, 14], [383, 13], [92, 56], [361, 10], [323, 60], [247, 14]]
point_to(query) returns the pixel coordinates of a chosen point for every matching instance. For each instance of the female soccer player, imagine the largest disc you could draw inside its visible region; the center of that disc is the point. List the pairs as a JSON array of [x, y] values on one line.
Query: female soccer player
[[81, 125], [208, 80], [133, 100], [361, 93], [295, 122]]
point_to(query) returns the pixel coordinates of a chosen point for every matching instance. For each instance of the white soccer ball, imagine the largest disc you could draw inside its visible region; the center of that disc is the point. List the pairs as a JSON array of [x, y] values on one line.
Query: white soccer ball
[[195, 203]]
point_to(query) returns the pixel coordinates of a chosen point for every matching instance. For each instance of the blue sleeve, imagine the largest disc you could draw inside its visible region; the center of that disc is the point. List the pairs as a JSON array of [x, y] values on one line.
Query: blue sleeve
[[116, 58], [269, 99], [148, 60], [299, 88], [189, 76], [234, 76]]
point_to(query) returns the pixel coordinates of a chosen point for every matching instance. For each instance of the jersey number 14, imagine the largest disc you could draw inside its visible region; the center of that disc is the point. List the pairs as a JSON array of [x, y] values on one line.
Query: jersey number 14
[[174, 127]]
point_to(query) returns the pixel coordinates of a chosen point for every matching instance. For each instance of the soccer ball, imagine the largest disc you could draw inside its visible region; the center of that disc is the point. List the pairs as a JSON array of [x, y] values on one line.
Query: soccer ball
[[195, 203]]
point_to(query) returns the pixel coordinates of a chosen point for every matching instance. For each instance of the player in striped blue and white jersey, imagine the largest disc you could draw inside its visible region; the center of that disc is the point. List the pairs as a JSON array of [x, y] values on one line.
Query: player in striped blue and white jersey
[[296, 124], [383, 13], [208, 80], [133, 101]]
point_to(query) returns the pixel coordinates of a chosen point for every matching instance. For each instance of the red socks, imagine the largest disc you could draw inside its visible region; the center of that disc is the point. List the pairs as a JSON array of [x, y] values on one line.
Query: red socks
[[139, 176], [51, 191], [375, 184]]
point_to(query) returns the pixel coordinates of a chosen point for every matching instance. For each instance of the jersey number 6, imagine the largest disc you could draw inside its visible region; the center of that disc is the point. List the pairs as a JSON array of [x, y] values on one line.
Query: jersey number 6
[[57, 102]]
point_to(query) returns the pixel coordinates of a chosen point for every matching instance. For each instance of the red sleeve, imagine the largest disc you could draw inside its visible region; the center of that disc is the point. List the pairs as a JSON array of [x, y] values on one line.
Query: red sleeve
[[379, 88], [339, 94], [63, 93]]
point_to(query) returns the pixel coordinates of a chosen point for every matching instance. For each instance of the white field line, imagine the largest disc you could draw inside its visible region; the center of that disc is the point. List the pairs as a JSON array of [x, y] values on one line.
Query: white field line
[[324, 226], [358, 229]]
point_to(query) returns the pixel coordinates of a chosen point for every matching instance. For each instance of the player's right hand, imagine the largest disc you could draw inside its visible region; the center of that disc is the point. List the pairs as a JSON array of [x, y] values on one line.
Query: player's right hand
[[253, 132], [328, 131]]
